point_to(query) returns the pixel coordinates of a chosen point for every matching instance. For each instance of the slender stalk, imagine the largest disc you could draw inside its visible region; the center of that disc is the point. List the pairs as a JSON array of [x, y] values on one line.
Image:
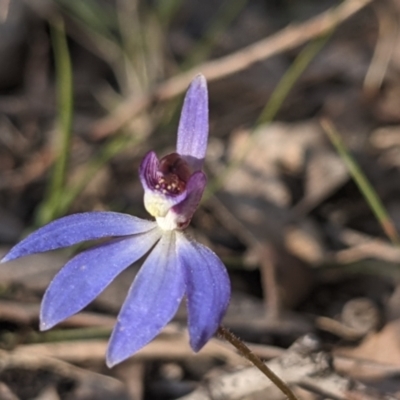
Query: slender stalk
[[256, 361]]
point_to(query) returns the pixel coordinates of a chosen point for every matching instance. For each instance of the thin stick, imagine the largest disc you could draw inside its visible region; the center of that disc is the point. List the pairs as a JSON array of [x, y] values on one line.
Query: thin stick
[[385, 45], [256, 361], [286, 39]]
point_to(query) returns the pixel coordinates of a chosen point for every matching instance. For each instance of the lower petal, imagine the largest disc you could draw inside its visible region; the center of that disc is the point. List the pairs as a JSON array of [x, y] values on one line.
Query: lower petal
[[77, 228], [84, 277], [207, 288], [152, 301]]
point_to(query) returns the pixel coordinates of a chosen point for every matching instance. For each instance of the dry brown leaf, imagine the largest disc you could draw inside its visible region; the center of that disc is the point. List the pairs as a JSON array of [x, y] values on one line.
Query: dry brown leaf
[[382, 347], [255, 193]]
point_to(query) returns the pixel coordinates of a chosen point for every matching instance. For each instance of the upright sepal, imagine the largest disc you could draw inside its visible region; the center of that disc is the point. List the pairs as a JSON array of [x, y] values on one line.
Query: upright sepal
[[193, 124]]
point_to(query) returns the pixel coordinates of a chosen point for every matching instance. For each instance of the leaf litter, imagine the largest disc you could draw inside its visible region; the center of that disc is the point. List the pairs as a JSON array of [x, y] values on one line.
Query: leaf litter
[[304, 252]]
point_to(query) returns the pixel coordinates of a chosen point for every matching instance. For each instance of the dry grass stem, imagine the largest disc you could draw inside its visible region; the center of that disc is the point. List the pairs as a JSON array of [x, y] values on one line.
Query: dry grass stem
[[286, 39]]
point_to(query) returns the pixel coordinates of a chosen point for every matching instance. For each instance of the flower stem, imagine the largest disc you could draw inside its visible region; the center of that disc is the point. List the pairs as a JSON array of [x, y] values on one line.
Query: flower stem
[[256, 361]]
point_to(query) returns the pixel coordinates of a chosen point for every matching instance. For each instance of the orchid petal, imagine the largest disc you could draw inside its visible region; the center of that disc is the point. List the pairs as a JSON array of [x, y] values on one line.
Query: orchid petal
[[156, 202], [152, 301], [77, 228], [148, 171], [193, 124], [207, 289], [195, 188], [84, 277]]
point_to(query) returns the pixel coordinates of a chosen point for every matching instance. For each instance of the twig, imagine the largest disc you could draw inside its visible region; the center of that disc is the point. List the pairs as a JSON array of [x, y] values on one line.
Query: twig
[[270, 286], [302, 364], [360, 246], [256, 361], [4, 10], [286, 39], [33, 169], [176, 348], [28, 313], [356, 368], [367, 370], [387, 40], [168, 346], [12, 361]]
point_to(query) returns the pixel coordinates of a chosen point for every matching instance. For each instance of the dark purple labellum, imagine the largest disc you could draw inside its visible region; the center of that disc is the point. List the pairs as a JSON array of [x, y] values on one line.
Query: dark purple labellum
[[175, 173]]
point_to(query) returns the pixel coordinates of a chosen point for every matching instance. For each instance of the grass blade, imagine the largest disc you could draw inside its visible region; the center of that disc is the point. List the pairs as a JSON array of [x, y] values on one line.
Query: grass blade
[[362, 182], [48, 210], [272, 107]]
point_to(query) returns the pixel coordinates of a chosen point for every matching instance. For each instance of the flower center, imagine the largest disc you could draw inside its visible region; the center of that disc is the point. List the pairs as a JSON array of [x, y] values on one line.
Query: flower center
[[175, 173]]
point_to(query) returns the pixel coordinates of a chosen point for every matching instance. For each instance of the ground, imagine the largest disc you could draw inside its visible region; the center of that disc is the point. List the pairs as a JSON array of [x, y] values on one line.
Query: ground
[[304, 109]]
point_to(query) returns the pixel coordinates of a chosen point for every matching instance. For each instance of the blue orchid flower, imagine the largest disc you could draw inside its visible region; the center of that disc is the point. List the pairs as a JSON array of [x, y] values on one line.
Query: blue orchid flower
[[176, 265]]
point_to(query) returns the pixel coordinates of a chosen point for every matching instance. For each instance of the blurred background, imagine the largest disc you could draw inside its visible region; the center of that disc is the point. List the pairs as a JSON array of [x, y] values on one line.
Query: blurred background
[[303, 166]]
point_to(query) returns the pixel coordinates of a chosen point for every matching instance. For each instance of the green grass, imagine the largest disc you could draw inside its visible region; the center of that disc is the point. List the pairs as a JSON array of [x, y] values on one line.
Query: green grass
[[49, 208], [272, 107], [367, 190]]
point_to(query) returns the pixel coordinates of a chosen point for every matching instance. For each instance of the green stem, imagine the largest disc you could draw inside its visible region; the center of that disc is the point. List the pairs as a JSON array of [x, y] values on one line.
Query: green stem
[[49, 209], [362, 182], [256, 361]]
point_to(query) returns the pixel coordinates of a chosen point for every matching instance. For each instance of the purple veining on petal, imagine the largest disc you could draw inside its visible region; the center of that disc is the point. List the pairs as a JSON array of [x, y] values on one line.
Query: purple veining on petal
[[77, 228], [164, 182], [84, 277], [186, 208], [193, 124], [167, 176], [152, 301], [207, 289], [148, 171]]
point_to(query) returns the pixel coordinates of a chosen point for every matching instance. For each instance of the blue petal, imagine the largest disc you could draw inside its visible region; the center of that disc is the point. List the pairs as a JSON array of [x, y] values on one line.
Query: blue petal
[[193, 125], [77, 228], [84, 277], [152, 301], [208, 289]]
